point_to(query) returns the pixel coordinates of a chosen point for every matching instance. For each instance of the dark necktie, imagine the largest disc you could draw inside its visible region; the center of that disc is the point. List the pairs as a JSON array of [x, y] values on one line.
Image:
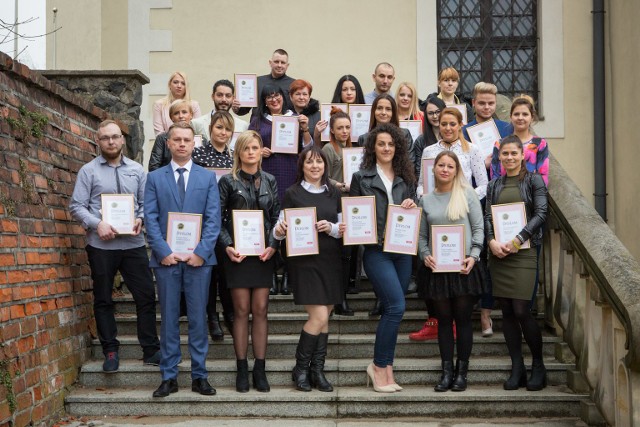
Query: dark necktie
[[181, 187]]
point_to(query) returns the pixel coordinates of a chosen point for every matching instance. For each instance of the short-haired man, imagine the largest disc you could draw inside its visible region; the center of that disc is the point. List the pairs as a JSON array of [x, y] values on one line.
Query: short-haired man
[[279, 64], [383, 77], [182, 187], [108, 251], [223, 97]]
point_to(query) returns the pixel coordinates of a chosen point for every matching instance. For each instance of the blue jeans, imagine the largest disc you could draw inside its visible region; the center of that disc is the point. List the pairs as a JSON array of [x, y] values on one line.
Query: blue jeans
[[389, 274]]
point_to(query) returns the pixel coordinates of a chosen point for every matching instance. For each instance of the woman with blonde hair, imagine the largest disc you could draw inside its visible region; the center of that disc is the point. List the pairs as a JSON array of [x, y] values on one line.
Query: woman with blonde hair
[[248, 187], [453, 202], [407, 100], [178, 89], [179, 111]]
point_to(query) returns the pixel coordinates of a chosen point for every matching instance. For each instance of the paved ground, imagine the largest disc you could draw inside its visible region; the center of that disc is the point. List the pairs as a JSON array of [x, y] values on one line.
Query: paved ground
[[208, 422]]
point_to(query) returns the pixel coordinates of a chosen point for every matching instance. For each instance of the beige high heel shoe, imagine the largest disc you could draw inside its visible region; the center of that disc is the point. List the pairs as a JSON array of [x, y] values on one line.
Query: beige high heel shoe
[[380, 389]]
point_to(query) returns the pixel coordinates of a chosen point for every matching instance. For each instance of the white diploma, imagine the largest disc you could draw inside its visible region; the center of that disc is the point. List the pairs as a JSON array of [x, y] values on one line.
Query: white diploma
[[183, 232], [360, 115], [414, 127], [484, 135], [302, 235], [401, 231], [447, 247], [247, 89], [508, 220], [197, 140], [285, 134], [359, 215], [325, 114], [248, 232], [351, 160], [118, 211]]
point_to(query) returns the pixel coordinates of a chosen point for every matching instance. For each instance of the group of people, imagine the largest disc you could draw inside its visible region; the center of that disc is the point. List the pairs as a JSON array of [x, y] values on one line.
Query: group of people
[[267, 181]]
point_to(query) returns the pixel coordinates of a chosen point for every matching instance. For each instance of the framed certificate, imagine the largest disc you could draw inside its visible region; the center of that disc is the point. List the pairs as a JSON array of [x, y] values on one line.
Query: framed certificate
[[302, 235], [401, 230], [351, 159], [285, 134], [428, 180], [325, 114], [463, 110], [118, 211], [248, 232], [183, 232], [232, 143], [447, 247], [508, 220], [220, 172], [359, 216], [197, 140], [360, 115], [414, 127], [246, 89], [484, 135]]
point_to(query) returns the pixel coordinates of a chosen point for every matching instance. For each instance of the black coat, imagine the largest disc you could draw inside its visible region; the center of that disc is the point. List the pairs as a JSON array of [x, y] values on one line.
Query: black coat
[[160, 154]]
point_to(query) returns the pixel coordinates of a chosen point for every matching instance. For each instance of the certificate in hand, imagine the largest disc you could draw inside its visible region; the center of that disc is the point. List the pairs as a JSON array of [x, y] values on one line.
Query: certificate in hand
[[484, 135], [359, 216], [447, 247], [360, 116], [401, 231], [351, 159], [285, 134], [118, 211], [325, 114], [414, 127], [428, 180], [246, 89], [302, 235], [197, 141], [463, 110], [508, 220], [183, 232], [248, 232]]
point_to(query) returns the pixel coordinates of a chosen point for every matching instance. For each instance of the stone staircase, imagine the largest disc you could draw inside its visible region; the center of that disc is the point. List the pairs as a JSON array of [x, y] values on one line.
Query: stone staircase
[[350, 350]]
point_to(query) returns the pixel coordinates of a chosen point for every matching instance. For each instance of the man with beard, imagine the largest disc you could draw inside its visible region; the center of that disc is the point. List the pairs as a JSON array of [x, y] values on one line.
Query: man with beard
[[383, 77], [223, 96], [109, 251]]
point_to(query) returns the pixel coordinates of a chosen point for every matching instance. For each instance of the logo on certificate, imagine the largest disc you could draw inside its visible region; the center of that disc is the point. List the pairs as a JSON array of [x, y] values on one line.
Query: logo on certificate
[[114, 205], [359, 115], [243, 82], [480, 134], [298, 221], [353, 158], [445, 238], [505, 216], [355, 211], [282, 125], [180, 226], [245, 222], [400, 218]]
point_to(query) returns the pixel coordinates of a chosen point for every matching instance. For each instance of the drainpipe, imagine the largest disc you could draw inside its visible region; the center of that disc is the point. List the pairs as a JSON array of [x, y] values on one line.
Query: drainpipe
[[599, 141]]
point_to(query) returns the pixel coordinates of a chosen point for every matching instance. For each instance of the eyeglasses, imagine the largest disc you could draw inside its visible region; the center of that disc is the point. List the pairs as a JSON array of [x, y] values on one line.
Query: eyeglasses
[[107, 138], [274, 97], [433, 113]]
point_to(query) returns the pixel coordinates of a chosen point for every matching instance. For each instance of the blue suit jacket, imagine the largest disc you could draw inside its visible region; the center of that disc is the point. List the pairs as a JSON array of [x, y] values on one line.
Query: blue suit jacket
[[161, 197]]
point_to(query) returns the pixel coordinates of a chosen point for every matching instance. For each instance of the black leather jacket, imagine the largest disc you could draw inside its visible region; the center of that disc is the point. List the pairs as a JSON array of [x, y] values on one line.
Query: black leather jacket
[[534, 195], [366, 182], [160, 154], [234, 194]]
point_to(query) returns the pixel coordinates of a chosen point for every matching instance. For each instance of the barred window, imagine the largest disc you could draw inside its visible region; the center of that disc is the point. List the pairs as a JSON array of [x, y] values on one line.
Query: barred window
[[494, 41]]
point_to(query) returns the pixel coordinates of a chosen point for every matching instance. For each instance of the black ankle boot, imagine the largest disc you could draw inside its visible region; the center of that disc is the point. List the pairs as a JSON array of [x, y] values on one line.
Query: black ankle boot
[[460, 383], [260, 382], [518, 376], [317, 379], [377, 309], [538, 379], [274, 285], [447, 376], [300, 374], [343, 309], [216, 332], [284, 284], [242, 376]]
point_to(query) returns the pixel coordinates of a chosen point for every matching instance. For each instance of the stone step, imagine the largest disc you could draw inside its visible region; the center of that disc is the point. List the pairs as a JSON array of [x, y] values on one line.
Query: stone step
[[347, 346], [414, 401], [343, 373]]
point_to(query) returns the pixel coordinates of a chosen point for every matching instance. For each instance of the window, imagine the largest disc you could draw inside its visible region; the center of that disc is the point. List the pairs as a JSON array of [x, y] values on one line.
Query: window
[[492, 41]]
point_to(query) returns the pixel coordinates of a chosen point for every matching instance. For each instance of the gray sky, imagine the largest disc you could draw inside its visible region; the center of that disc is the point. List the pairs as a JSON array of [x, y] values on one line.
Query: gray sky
[[34, 56]]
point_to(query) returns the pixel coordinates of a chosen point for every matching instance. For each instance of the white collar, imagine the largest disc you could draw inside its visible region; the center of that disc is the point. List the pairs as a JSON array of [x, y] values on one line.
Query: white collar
[[175, 166], [312, 188]]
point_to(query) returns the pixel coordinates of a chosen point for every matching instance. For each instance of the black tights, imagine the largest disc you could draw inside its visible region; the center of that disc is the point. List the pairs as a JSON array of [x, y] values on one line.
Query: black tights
[[256, 302], [458, 309], [518, 321]]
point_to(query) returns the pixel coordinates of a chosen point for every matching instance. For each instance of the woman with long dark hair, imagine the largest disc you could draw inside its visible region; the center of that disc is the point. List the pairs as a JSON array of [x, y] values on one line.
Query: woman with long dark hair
[[347, 91]]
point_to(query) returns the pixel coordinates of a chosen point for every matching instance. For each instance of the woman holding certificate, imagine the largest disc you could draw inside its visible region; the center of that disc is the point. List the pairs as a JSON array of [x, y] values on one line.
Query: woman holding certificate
[[451, 236], [315, 286], [515, 212], [386, 174], [249, 244], [347, 91], [407, 100], [430, 129], [385, 110], [304, 105], [178, 90]]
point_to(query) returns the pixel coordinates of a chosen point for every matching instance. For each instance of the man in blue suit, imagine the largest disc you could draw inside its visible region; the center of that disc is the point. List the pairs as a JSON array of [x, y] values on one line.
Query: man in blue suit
[[185, 187]]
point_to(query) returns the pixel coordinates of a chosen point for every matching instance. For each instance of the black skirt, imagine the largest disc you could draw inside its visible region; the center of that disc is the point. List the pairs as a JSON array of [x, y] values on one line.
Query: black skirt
[[440, 286], [250, 273]]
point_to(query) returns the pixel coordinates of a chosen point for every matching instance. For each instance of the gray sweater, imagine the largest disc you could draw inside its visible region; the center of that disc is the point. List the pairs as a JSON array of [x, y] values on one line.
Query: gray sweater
[[434, 212]]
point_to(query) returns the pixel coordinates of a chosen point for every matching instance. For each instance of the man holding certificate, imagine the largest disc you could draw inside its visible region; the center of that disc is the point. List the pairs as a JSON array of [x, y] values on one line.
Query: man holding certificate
[[108, 201], [183, 222]]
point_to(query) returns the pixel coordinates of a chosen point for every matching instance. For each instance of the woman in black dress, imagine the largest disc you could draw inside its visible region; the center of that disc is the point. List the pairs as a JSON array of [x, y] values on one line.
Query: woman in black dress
[[247, 187], [315, 279], [513, 268]]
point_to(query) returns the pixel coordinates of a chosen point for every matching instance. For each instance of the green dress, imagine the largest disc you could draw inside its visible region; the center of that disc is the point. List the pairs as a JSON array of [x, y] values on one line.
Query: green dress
[[514, 275]]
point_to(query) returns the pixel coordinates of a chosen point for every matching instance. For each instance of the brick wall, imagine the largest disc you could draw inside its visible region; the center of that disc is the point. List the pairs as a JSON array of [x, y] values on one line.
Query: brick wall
[[45, 286]]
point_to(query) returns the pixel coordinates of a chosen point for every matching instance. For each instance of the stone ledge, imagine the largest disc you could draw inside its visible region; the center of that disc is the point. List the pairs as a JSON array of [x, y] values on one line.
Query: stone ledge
[[130, 74]]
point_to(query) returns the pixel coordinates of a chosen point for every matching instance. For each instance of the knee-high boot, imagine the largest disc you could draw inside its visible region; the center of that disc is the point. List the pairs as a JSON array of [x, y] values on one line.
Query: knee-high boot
[[300, 373], [318, 380]]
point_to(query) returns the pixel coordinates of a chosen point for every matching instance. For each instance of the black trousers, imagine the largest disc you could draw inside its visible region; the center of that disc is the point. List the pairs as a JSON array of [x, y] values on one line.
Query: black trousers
[[133, 264]]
